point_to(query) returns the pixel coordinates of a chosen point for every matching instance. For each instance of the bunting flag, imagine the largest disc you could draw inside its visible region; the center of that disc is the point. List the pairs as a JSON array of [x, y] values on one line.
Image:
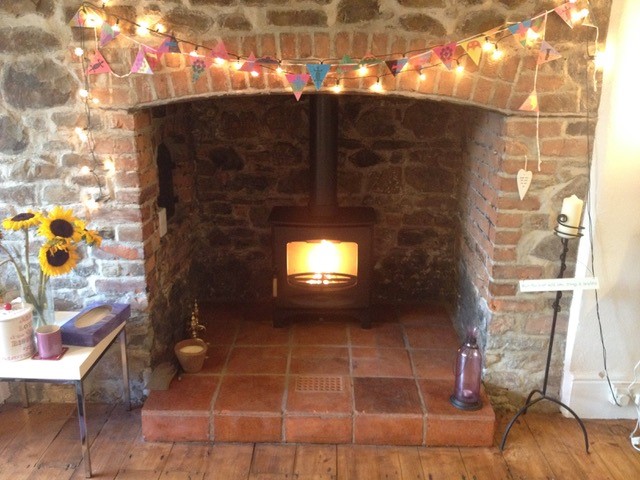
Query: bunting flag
[[140, 64], [97, 64], [151, 56], [520, 30], [250, 65], [547, 53], [531, 103], [170, 45], [369, 60], [107, 33], [396, 66], [219, 52], [346, 65], [566, 12], [297, 81], [445, 53], [419, 61], [473, 49], [318, 72], [198, 66]]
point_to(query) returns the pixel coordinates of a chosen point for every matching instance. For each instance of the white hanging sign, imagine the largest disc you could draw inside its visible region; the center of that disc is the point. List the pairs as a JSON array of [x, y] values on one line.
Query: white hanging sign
[[555, 284]]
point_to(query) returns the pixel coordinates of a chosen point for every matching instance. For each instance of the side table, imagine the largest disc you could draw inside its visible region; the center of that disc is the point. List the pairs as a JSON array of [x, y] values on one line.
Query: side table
[[72, 368]]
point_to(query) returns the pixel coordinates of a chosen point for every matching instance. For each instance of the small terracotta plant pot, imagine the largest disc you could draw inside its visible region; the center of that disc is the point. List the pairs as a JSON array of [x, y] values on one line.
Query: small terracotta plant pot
[[191, 354]]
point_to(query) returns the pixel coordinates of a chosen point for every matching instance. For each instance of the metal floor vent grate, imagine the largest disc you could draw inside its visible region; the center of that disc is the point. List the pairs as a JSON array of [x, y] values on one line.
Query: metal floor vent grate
[[319, 384]]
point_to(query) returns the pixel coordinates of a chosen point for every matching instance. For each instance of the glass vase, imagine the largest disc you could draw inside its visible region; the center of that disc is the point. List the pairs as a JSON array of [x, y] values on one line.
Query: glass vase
[[39, 294]]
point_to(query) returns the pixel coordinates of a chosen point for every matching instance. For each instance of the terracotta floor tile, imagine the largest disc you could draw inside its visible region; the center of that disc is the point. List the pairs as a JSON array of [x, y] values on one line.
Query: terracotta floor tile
[[386, 395], [258, 360], [318, 429], [319, 333], [250, 393], [435, 364], [247, 428], [319, 395], [379, 335], [417, 315], [191, 393], [432, 336], [175, 427], [216, 359], [261, 333], [319, 360], [383, 429], [380, 362]]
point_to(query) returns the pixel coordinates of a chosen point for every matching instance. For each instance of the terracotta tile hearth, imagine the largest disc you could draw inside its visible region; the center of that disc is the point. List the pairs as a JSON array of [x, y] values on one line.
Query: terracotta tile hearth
[[320, 381]]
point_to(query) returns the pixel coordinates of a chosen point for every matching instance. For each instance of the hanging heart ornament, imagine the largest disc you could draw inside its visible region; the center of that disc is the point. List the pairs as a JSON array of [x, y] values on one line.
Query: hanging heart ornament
[[524, 178]]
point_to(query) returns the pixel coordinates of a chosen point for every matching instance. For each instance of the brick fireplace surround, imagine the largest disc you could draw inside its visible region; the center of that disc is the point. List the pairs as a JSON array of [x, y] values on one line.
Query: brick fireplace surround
[[437, 159]]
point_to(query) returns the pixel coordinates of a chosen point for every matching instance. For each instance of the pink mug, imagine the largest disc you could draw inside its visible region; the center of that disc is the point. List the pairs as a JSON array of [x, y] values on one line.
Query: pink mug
[[49, 339]]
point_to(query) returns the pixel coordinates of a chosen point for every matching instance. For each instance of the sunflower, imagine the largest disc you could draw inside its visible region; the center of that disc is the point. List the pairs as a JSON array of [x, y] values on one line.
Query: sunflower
[[22, 221], [60, 223], [92, 237], [57, 257]]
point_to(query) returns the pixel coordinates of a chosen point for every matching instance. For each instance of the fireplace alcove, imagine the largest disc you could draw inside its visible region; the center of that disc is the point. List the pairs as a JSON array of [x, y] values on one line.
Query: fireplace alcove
[[402, 159]]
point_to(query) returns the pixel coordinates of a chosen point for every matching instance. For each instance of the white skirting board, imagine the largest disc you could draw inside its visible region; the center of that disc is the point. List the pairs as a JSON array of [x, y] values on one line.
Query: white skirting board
[[590, 399]]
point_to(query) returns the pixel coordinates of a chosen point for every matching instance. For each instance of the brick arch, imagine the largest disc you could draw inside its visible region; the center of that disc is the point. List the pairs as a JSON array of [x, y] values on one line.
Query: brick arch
[[496, 85]]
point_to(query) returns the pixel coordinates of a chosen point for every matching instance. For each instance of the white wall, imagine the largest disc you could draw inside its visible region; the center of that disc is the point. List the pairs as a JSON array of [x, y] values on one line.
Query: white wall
[[615, 215]]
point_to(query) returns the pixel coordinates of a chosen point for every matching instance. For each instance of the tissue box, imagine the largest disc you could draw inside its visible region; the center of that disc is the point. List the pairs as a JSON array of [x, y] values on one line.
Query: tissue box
[[93, 323]]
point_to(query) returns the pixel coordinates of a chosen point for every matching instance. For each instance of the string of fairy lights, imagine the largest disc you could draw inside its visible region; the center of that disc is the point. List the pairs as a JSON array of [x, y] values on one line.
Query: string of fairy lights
[[325, 73]]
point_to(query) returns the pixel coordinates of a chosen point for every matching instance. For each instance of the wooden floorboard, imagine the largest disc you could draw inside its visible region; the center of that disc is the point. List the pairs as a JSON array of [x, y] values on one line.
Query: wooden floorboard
[[41, 442]]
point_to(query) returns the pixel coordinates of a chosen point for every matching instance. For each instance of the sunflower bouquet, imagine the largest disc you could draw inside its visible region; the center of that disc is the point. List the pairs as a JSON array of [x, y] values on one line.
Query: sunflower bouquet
[[60, 233]]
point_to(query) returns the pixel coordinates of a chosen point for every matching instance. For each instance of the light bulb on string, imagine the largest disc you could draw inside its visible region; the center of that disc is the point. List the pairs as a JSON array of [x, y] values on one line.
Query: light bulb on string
[[78, 52], [497, 54], [488, 45], [219, 61], [85, 170], [459, 67], [279, 69], [376, 87], [422, 76], [142, 28], [362, 70], [82, 134], [116, 27], [83, 93], [160, 28], [532, 36], [237, 64], [194, 53], [95, 101], [254, 73], [337, 88], [579, 16], [93, 20]]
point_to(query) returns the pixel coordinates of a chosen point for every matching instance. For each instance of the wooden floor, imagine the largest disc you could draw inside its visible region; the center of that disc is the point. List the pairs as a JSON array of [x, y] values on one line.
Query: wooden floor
[[42, 443]]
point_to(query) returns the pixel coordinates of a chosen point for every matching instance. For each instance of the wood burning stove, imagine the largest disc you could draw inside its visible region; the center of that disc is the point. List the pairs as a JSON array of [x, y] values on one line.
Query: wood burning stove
[[322, 253]]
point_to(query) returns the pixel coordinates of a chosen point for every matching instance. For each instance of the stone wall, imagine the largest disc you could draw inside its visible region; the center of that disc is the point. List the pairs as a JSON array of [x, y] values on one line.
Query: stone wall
[[41, 159]]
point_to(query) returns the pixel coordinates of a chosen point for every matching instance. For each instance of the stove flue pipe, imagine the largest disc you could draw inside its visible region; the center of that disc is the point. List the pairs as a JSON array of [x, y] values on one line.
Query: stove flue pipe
[[323, 143]]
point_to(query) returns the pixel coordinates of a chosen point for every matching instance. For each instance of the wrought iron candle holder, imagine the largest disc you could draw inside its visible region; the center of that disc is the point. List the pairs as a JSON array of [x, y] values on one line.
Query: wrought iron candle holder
[[565, 232]]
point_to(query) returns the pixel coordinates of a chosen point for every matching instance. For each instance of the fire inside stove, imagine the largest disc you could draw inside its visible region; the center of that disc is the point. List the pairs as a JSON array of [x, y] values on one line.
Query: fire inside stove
[[322, 264]]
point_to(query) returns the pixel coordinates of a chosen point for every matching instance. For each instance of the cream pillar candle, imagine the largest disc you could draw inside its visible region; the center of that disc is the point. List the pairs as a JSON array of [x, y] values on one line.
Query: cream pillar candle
[[572, 208]]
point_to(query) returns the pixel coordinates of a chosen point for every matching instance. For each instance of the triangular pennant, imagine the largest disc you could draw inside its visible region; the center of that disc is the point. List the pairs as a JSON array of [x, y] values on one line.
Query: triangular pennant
[[566, 12], [445, 53], [318, 72], [98, 64], [199, 65], [547, 53], [107, 33], [268, 61], [297, 81], [519, 31], [346, 65], [531, 103], [80, 18], [369, 59], [140, 64], [419, 61], [170, 45], [152, 56], [219, 53], [250, 65], [87, 17], [473, 49], [396, 66]]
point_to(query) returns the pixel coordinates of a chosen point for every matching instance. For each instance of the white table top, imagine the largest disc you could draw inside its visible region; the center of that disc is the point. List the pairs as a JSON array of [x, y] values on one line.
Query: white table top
[[73, 365]]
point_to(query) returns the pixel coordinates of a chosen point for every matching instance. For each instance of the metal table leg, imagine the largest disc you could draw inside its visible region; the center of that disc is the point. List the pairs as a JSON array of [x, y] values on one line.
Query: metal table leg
[[82, 419], [122, 337]]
